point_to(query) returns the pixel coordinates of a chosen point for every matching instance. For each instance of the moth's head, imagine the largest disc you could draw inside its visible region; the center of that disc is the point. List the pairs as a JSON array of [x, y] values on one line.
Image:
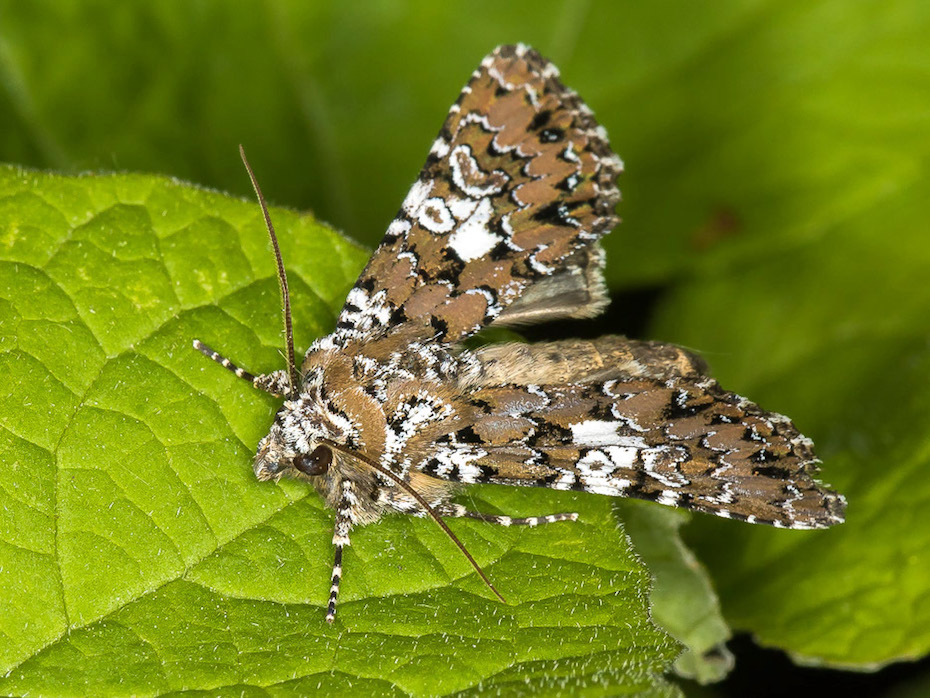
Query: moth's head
[[294, 445]]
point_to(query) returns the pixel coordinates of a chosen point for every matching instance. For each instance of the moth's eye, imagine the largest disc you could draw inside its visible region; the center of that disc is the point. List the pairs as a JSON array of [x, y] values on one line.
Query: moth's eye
[[314, 463]]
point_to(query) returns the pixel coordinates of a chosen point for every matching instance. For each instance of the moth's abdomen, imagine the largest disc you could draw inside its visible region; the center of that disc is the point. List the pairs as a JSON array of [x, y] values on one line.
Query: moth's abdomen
[[680, 441]]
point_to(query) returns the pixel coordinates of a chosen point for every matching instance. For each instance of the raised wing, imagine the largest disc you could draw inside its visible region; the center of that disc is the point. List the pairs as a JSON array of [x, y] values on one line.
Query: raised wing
[[517, 187]]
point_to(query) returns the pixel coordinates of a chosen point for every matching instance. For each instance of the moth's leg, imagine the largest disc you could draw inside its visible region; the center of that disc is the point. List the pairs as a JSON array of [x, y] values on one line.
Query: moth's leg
[[337, 575], [275, 382], [344, 521], [458, 511]]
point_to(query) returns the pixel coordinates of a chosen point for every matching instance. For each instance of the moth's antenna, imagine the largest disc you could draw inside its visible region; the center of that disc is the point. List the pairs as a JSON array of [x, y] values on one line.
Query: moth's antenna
[[423, 503], [282, 280]]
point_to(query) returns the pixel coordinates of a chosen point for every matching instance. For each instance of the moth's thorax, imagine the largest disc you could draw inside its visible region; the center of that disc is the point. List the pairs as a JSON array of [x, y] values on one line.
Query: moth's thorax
[[386, 405]]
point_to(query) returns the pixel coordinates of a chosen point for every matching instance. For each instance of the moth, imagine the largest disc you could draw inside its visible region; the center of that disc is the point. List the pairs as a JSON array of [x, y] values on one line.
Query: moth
[[391, 414]]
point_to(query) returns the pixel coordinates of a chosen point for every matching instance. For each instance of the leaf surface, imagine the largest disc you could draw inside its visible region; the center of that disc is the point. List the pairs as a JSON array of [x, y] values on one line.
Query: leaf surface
[[140, 555]]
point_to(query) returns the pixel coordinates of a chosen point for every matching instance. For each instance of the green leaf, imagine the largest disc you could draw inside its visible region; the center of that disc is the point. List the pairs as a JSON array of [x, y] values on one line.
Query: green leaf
[[775, 154], [817, 307], [683, 600], [852, 369], [139, 554]]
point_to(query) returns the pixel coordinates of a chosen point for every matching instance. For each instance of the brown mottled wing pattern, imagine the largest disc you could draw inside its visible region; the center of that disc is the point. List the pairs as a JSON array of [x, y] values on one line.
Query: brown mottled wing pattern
[[625, 418], [679, 440], [519, 182]]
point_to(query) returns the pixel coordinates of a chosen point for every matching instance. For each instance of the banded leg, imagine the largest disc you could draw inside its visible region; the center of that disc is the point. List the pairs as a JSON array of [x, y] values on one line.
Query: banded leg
[[458, 511], [275, 382], [334, 589], [340, 540]]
